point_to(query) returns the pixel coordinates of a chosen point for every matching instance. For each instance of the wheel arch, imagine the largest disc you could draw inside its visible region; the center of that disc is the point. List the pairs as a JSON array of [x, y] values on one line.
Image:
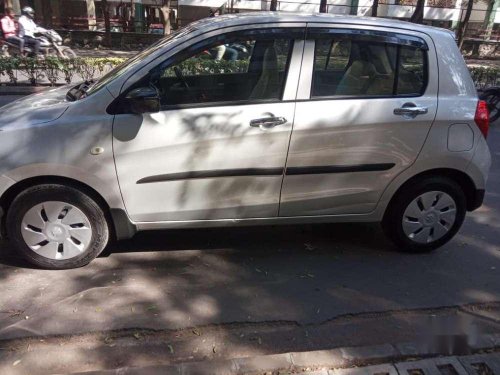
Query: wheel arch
[[118, 221], [461, 178]]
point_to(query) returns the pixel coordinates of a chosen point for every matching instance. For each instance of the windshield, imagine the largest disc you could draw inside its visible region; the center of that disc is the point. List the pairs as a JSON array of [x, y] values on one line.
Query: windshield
[[133, 61]]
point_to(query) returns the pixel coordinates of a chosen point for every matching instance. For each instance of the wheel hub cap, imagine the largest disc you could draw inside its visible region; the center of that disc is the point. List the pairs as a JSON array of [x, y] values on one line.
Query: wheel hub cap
[[56, 230], [429, 217]]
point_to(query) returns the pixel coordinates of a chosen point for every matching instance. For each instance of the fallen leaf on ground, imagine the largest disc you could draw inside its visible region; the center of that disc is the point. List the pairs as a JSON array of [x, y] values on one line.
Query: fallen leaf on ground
[[171, 348], [13, 313], [137, 335], [309, 275], [16, 362], [108, 340], [309, 247], [196, 332]]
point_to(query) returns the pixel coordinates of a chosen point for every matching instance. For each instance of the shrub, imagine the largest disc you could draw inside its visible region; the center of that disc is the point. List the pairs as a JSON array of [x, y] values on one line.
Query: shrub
[[208, 66], [53, 68], [485, 76]]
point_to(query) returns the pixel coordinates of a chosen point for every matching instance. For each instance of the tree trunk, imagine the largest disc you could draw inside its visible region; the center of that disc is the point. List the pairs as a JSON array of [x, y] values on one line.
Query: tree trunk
[[165, 12], [47, 14], [39, 11], [274, 5], [107, 23], [375, 8], [489, 20], [91, 15], [139, 16], [43, 11], [322, 6], [463, 24], [55, 5], [418, 14], [353, 11]]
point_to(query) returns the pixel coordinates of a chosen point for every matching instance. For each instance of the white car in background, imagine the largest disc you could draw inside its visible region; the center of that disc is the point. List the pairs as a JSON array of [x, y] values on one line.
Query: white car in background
[[327, 119]]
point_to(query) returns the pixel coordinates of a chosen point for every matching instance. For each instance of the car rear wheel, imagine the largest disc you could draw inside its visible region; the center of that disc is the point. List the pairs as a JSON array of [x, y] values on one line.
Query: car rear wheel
[[57, 227], [425, 215]]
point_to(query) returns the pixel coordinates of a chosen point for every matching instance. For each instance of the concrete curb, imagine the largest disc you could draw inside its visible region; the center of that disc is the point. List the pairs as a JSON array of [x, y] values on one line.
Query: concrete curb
[[303, 361]]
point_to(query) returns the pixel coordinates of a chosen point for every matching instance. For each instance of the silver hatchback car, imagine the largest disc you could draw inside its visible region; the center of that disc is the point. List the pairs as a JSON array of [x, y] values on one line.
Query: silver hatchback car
[[261, 118]]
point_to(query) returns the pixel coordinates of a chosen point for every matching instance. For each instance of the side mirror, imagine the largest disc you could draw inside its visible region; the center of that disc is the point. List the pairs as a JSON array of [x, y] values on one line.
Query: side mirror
[[143, 100]]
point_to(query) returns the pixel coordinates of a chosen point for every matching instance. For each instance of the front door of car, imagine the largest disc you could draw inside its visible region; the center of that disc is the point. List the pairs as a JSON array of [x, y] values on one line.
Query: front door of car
[[367, 101], [217, 148]]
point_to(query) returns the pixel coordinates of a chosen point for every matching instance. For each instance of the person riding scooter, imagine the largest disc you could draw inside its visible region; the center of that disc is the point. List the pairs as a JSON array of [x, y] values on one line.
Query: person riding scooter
[[28, 28], [10, 30]]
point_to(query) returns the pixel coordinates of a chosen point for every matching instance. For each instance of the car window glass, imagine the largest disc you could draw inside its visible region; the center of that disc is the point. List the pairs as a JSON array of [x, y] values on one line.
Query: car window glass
[[411, 71], [244, 68], [362, 68], [332, 55], [138, 58]]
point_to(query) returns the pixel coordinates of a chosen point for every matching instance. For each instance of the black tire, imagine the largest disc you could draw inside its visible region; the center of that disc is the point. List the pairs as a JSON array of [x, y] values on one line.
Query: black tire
[[54, 192], [492, 98], [392, 223], [68, 53]]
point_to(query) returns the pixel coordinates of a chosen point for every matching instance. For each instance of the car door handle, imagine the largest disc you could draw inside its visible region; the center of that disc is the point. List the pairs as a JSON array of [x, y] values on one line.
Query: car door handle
[[267, 122], [410, 110]]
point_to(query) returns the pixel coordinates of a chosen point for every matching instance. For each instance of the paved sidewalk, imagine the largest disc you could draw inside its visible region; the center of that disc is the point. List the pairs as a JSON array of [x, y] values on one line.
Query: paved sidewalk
[[329, 362], [480, 364]]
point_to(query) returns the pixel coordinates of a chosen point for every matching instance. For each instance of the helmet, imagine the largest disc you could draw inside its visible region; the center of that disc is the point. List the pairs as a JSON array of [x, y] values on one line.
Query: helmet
[[28, 11]]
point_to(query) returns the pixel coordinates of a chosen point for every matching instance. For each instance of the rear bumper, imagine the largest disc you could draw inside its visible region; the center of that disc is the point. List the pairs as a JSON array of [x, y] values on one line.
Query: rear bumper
[[477, 200]]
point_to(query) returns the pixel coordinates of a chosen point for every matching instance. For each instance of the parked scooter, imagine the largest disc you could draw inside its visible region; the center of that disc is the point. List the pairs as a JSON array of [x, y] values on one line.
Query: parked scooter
[[492, 97], [51, 44]]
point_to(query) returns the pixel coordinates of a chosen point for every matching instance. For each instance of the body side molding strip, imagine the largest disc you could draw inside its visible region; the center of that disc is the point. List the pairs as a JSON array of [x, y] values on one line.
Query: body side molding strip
[[212, 174], [290, 171]]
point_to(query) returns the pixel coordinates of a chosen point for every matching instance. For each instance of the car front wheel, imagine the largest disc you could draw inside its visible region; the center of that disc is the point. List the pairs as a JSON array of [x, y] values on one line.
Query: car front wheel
[[425, 215], [57, 227]]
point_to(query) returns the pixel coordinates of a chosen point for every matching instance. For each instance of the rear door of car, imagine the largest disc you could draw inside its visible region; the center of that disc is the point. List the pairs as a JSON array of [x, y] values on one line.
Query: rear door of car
[[366, 101]]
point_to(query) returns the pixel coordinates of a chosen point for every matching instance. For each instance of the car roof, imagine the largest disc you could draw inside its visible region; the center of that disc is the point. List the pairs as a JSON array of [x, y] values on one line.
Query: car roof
[[235, 19]]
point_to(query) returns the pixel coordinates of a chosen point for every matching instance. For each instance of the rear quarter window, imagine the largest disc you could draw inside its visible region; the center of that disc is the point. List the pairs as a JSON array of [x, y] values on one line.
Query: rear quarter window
[[350, 65]]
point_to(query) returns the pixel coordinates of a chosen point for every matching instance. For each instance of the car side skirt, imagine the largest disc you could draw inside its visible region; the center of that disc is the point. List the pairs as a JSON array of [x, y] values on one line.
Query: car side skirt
[[360, 218]]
